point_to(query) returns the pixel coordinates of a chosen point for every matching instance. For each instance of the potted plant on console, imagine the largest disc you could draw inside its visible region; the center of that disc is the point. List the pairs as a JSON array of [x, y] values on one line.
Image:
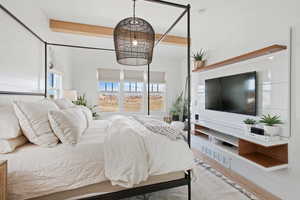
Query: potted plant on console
[[249, 123], [199, 60], [270, 124]]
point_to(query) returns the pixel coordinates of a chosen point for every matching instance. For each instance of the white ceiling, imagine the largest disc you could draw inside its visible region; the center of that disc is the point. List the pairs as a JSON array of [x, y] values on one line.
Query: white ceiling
[[222, 17], [109, 13]]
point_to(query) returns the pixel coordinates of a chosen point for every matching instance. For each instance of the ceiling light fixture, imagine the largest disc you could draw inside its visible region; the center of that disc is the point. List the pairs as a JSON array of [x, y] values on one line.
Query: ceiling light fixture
[[134, 41]]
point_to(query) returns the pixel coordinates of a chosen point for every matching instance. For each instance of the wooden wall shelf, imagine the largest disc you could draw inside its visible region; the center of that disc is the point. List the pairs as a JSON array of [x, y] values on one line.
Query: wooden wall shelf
[[247, 56]]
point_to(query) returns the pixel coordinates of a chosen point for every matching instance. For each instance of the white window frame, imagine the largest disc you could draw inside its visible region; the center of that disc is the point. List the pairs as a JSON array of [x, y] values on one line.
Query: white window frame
[[59, 89], [122, 93]]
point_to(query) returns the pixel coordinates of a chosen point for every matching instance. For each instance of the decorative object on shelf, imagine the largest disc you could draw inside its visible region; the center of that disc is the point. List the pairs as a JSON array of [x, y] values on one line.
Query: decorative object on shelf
[[177, 108], [82, 101], [257, 131], [199, 60], [134, 41], [270, 123], [248, 124]]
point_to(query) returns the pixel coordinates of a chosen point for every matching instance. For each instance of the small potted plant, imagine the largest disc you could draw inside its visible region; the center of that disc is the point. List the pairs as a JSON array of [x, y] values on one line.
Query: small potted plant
[[270, 123], [176, 108], [199, 60], [248, 124]]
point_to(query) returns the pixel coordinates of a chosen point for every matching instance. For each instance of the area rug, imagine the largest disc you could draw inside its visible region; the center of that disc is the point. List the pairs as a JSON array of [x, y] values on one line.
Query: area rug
[[208, 184]]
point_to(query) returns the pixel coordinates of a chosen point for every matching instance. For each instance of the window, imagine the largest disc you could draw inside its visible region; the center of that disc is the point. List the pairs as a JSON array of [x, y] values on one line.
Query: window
[[157, 91], [109, 90], [133, 96], [157, 97], [54, 84], [108, 98], [125, 91]]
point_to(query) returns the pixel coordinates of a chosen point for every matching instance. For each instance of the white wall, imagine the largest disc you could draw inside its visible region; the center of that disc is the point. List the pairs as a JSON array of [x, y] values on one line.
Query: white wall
[[86, 62], [22, 58], [61, 59], [236, 27], [272, 91]]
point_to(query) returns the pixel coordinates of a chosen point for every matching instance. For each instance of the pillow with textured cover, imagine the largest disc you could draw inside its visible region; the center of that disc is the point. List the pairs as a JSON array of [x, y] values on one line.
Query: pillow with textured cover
[[68, 125], [9, 123], [87, 113], [33, 118], [160, 127], [10, 145]]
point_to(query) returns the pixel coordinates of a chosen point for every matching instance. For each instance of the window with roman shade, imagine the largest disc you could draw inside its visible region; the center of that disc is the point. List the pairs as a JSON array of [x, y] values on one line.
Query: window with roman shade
[[133, 90], [157, 91], [109, 88]]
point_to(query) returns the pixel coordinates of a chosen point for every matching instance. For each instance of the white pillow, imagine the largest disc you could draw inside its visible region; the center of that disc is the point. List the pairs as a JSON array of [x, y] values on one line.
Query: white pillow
[[8, 146], [88, 114], [64, 103], [68, 124], [9, 123], [33, 118]]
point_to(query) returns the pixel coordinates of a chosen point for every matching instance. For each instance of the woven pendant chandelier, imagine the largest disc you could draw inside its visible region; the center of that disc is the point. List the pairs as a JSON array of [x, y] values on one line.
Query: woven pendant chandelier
[[134, 41]]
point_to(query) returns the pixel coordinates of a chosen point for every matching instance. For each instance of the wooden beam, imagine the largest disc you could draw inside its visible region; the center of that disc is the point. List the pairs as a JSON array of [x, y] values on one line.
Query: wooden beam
[[103, 31]]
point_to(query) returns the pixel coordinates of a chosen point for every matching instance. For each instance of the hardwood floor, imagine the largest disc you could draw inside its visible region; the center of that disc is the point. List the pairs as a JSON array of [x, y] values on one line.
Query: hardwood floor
[[242, 181]]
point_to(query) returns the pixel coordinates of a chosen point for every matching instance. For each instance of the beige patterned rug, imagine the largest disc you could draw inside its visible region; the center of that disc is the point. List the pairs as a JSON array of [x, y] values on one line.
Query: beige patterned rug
[[209, 185]]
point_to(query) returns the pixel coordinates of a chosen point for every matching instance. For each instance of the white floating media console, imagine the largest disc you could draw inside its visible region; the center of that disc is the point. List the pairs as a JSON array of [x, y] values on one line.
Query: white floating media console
[[260, 151]]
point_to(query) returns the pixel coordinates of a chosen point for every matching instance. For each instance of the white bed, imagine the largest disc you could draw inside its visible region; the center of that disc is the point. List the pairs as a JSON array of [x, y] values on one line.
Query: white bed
[[34, 171]]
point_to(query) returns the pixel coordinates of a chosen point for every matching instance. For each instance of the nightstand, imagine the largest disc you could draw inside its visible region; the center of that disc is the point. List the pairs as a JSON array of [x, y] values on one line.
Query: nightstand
[[3, 180]]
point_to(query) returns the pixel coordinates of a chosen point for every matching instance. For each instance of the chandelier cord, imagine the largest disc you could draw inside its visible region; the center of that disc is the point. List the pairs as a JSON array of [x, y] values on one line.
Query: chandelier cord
[[134, 10]]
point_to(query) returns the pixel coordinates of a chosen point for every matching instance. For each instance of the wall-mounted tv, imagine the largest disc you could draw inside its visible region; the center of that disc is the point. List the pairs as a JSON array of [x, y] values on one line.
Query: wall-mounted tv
[[234, 94]]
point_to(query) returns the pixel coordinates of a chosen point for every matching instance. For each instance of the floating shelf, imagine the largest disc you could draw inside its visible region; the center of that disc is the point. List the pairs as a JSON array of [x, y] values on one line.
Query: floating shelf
[[247, 56], [270, 157]]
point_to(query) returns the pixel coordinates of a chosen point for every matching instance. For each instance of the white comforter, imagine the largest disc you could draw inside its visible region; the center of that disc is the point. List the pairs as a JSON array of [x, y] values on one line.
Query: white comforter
[[132, 153], [35, 171]]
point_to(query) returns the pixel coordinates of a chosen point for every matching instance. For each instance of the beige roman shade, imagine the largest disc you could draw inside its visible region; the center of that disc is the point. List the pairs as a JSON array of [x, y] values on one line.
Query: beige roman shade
[[157, 77], [134, 76], [109, 75]]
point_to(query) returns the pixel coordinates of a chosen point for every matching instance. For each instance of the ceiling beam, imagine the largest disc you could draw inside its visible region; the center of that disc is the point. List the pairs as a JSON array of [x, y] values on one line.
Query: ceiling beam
[[103, 31]]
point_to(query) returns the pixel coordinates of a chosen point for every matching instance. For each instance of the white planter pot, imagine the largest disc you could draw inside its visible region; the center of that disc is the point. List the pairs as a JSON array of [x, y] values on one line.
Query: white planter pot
[[248, 128], [271, 130]]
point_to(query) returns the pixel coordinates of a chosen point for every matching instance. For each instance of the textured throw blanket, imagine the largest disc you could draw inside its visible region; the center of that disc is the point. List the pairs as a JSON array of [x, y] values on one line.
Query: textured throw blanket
[[132, 153], [160, 127]]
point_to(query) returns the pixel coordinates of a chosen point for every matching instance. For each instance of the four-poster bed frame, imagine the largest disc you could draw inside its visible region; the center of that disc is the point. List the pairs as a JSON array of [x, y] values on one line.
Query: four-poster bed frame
[[148, 188]]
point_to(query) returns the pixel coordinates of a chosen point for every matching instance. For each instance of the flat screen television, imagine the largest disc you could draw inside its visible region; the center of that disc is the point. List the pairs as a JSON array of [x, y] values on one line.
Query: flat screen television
[[234, 94]]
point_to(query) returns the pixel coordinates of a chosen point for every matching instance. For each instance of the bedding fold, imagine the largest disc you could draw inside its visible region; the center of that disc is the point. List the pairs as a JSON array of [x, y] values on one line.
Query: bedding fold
[[132, 153]]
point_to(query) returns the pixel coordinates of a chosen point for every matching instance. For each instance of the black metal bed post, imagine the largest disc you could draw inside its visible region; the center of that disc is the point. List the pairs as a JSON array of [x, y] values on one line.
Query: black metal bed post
[[148, 93], [189, 90], [46, 68]]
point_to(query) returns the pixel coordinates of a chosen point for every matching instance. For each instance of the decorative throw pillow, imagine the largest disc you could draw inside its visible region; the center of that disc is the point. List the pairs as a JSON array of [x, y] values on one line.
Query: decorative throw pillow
[[64, 103], [9, 123], [33, 118], [8, 146], [68, 124], [87, 113]]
